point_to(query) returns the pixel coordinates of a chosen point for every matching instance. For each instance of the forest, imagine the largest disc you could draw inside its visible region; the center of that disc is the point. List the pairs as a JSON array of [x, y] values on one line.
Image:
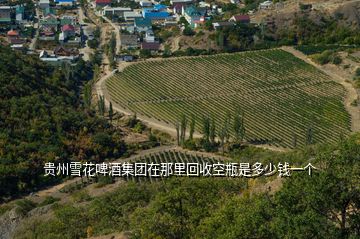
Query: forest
[[43, 119]]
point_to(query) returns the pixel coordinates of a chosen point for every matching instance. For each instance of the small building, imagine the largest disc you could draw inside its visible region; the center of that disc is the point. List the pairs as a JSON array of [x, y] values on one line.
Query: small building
[[126, 58], [49, 21], [177, 8], [115, 11], [128, 41], [149, 36], [19, 13], [65, 3], [102, 3], [5, 14], [181, 1], [266, 5], [44, 4], [157, 12], [194, 15], [14, 37], [49, 11], [221, 25], [244, 19], [131, 16], [152, 46], [62, 51], [68, 20], [68, 30], [142, 24], [145, 3]]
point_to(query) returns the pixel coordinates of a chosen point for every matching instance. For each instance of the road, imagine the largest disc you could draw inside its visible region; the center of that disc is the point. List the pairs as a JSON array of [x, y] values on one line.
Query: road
[[32, 45]]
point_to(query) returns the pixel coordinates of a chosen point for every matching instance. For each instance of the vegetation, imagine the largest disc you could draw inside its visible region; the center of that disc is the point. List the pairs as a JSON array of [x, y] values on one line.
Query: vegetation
[[43, 120], [324, 205], [279, 95]]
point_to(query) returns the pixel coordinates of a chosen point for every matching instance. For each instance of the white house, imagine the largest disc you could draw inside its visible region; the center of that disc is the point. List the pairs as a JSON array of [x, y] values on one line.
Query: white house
[[149, 36], [115, 11], [265, 5], [44, 4], [145, 3]]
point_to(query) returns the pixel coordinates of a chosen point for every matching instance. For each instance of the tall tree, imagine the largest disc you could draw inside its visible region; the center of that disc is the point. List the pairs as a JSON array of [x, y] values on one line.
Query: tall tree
[[206, 128], [111, 112], [212, 135], [192, 127], [183, 126]]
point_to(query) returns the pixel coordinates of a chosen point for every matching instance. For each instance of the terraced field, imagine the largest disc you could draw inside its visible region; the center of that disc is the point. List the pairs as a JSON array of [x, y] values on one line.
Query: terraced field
[[281, 95]]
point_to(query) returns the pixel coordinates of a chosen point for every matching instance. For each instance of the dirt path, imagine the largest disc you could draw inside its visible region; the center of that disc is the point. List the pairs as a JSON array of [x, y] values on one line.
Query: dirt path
[[351, 95]]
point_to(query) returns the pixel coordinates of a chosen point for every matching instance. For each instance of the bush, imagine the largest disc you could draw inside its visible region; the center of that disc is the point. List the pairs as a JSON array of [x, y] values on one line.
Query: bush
[[24, 206], [48, 200], [188, 31]]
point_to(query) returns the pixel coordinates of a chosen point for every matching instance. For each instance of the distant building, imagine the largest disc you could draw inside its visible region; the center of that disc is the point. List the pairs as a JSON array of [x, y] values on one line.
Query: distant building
[[126, 58], [62, 51], [266, 5], [152, 46], [245, 19], [145, 3], [194, 15], [19, 11], [65, 2], [128, 41], [131, 16], [220, 25], [14, 37], [5, 14], [102, 3], [180, 1], [157, 12], [149, 36], [44, 4], [115, 11], [142, 24]]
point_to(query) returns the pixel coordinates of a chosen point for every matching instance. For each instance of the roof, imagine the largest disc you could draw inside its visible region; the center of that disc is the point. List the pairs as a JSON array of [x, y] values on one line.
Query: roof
[[240, 18], [154, 14], [65, 21], [12, 33], [150, 45], [103, 1], [127, 39], [132, 15], [193, 11], [68, 27], [64, 0], [142, 22], [20, 9], [5, 8], [223, 24], [159, 7]]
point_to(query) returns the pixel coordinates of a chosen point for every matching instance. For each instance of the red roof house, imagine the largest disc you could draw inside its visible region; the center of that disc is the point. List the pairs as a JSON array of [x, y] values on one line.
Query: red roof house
[[240, 18], [68, 28], [12, 33]]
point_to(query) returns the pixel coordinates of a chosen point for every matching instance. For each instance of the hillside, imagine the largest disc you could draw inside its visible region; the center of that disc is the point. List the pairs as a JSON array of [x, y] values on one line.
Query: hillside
[[280, 96], [42, 120]]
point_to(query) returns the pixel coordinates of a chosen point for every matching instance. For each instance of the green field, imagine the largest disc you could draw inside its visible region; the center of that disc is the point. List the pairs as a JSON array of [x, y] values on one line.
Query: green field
[[281, 96]]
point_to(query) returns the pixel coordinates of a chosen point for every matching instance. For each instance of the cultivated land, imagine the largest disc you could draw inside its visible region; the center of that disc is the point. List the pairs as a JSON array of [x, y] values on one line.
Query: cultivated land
[[281, 96]]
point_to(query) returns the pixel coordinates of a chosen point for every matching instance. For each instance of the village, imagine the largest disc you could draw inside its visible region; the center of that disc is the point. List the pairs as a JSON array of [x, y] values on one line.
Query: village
[[67, 30]]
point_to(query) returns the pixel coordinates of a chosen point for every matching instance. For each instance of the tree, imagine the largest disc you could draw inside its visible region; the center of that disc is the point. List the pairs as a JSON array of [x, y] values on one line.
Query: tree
[[188, 31], [192, 127], [239, 127], [212, 134], [101, 105], [206, 129], [177, 128], [309, 136], [111, 112], [183, 125]]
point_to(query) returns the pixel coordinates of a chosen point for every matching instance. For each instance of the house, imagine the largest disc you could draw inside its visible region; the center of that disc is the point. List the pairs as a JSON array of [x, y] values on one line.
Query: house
[[194, 15], [157, 12], [152, 46], [181, 1], [131, 16], [128, 41], [115, 11], [177, 8], [44, 4], [102, 3], [68, 30], [14, 38], [55, 60], [49, 21], [265, 5], [126, 58], [149, 36], [68, 3], [220, 25], [5, 14], [145, 3], [68, 20], [244, 19], [235, 1], [142, 24], [19, 13], [62, 51], [49, 11]]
